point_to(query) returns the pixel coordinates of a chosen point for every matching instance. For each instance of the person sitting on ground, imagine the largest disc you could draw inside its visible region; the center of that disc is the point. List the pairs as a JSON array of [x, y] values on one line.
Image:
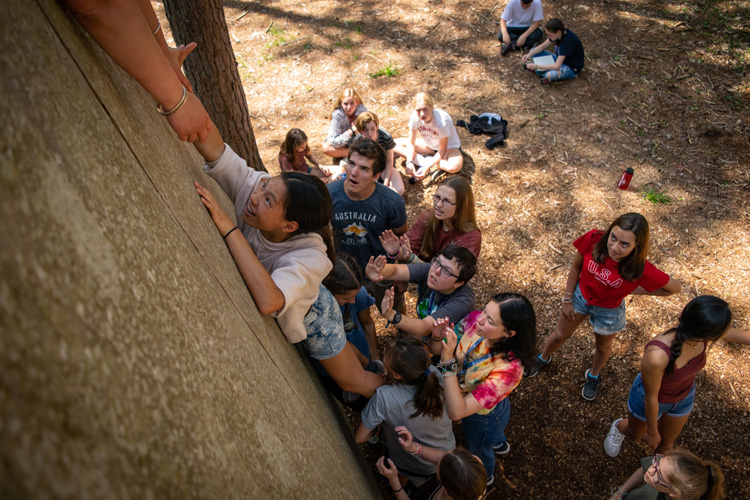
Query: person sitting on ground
[[130, 33], [442, 288], [364, 208], [368, 126], [678, 475], [345, 283], [568, 56], [283, 249], [294, 154], [482, 362], [433, 142], [415, 400], [341, 131], [461, 474], [519, 25]]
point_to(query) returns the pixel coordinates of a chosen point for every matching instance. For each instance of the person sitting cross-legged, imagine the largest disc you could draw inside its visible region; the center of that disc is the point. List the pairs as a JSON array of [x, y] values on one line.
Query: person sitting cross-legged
[[568, 57], [519, 25]]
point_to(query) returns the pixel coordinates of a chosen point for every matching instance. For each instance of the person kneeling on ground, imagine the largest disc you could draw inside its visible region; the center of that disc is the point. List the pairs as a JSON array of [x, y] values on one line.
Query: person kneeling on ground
[[442, 288], [519, 25], [568, 54]]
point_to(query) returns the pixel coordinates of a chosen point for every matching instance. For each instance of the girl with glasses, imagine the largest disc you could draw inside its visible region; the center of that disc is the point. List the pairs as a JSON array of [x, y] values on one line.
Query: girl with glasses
[[482, 361], [677, 475], [452, 219]]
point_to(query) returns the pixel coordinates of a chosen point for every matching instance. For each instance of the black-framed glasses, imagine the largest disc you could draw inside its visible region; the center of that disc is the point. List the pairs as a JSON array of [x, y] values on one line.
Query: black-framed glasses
[[437, 199], [444, 271], [658, 478]]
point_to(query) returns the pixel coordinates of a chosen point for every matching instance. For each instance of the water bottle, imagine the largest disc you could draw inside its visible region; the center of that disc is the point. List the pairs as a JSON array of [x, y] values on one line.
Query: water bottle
[[627, 175]]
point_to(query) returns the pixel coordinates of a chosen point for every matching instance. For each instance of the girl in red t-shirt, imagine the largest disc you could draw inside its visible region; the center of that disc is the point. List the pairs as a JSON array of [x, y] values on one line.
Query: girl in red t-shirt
[[608, 266]]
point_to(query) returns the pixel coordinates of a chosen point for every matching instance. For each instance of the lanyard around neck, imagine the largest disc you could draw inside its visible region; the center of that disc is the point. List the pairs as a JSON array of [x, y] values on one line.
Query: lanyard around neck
[[466, 367]]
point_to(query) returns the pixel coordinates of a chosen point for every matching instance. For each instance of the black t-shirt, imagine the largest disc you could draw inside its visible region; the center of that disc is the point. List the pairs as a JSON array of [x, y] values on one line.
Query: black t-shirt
[[571, 47]]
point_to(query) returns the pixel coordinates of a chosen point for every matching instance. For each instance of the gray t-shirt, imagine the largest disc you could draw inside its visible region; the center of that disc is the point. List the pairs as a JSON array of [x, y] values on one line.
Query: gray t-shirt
[[516, 16], [358, 224], [432, 303], [392, 406]]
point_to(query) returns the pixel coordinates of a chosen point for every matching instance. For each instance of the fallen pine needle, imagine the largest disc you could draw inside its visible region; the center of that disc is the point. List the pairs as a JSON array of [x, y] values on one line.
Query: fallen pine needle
[[553, 248]]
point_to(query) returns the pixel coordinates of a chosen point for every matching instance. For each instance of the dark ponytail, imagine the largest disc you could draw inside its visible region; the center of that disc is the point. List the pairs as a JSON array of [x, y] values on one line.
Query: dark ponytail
[[408, 358], [704, 318], [308, 203], [345, 275]]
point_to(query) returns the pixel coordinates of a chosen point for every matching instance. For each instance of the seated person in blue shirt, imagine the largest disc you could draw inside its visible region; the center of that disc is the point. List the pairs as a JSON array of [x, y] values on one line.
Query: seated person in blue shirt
[[568, 54]]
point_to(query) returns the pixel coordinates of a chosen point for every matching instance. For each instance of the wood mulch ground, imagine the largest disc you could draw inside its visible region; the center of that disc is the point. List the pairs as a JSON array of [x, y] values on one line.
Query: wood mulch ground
[[665, 91]]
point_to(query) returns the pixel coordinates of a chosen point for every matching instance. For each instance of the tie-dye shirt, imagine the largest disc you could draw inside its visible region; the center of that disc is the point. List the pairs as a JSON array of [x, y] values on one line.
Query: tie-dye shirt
[[491, 380]]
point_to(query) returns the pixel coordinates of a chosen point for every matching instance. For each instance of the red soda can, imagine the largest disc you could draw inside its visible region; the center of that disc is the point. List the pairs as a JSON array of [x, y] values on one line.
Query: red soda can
[[625, 179]]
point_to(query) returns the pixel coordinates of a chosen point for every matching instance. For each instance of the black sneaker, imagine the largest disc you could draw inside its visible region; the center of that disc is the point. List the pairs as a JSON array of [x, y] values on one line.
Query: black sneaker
[[591, 387], [503, 449], [546, 81], [538, 364], [504, 49]]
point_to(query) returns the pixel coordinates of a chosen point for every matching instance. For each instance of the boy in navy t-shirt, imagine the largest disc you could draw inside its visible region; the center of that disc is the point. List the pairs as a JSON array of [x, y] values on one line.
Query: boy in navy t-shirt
[[568, 56]]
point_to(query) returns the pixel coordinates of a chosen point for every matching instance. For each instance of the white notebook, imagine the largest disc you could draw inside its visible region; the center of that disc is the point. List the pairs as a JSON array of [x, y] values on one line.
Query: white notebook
[[545, 60]]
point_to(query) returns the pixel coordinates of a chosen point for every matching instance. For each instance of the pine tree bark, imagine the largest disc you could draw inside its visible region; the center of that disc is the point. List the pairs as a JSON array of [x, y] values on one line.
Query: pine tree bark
[[212, 71]]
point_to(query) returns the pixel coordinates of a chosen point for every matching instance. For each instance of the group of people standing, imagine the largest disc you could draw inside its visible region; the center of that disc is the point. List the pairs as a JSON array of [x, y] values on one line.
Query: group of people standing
[[317, 249]]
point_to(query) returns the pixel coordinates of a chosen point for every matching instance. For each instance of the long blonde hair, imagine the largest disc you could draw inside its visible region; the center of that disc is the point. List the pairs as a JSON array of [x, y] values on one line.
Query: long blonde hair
[[347, 93], [464, 220]]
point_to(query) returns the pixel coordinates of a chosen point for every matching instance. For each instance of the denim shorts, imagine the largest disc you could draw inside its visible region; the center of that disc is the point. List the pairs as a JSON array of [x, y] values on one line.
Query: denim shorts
[[637, 402], [326, 337], [564, 73], [605, 320]]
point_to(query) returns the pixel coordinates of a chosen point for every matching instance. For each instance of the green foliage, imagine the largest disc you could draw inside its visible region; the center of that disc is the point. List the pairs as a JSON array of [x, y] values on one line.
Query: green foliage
[[656, 197], [346, 43], [278, 36], [388, 71]]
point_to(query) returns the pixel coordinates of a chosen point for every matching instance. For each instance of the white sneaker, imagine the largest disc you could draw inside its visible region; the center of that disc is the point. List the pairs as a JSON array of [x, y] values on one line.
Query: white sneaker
[[423, 161], [613, 442]]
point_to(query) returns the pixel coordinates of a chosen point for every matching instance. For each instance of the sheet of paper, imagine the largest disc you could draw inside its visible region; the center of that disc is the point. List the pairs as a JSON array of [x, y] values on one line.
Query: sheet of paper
[[544, 60]]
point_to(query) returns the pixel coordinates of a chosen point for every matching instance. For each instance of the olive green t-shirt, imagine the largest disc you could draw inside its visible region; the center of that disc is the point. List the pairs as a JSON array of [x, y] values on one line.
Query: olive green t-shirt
[[646, 492]]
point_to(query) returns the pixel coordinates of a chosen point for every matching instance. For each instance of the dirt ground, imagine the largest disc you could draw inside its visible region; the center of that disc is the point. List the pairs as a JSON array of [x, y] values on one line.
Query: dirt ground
[[665, 91]]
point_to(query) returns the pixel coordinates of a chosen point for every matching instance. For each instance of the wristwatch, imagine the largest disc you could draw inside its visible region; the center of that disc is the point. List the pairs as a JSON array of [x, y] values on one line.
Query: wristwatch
[[396, 318]]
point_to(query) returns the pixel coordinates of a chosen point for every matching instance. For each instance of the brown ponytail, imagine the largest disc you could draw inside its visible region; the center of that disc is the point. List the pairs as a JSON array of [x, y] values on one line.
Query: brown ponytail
[[694, 478], [408, 358]]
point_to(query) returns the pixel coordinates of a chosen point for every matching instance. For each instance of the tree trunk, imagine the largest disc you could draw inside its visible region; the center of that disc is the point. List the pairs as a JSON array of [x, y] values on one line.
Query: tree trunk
[[212, 71]]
